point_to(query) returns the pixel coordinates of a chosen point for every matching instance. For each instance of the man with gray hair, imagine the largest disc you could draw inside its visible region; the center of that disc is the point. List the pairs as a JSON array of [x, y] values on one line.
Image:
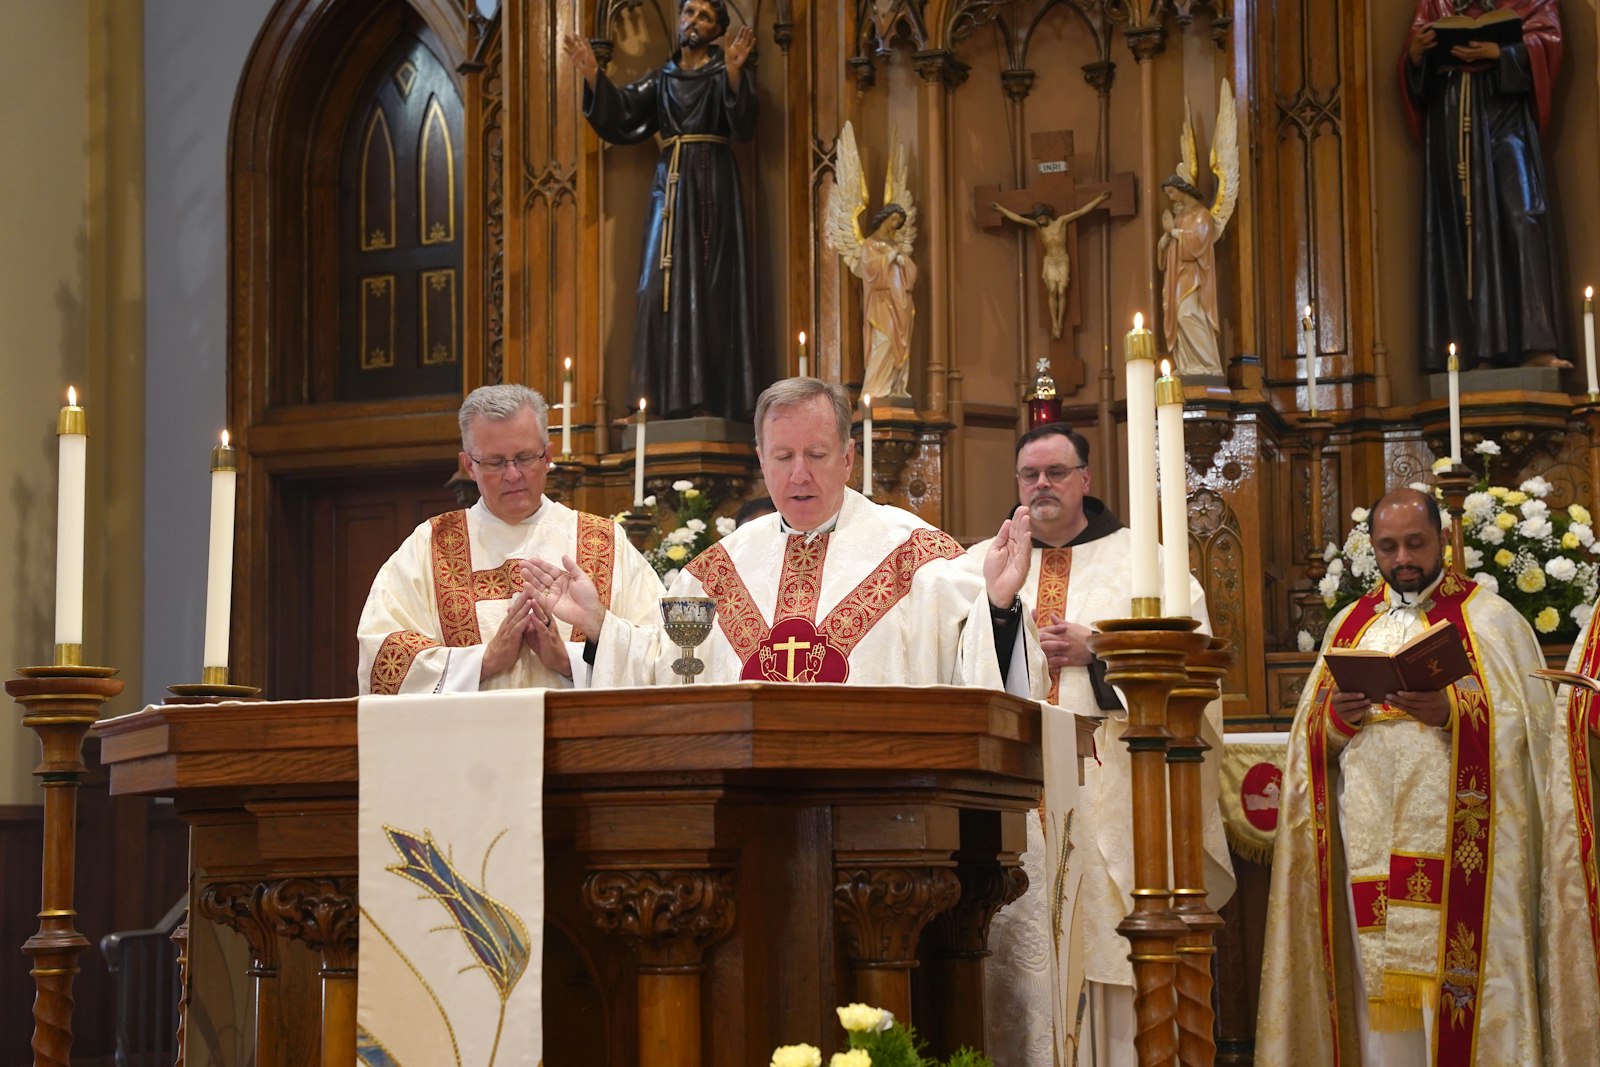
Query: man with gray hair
[[832, 588], [448, 611]]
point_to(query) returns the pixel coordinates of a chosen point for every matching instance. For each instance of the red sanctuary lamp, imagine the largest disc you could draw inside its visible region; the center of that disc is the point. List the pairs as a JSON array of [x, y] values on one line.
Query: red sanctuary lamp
[[1043, 404]]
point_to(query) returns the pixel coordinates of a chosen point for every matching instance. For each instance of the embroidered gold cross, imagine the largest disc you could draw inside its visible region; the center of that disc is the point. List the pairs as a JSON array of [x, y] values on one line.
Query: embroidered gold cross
[[791, 646]]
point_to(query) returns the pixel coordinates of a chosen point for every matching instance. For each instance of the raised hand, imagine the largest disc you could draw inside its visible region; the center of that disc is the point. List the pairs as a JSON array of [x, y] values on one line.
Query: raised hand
[[501, 650], [583, 61], [565, 592], [1005, 566], [737, 53]]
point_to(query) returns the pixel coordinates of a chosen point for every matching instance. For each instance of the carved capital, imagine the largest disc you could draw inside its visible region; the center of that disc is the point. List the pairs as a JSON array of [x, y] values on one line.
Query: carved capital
[[321, 912], [1203, 439], [883, 910], [1219, 30], [1100, 75], [1017, 83], [1146, 42], [940, 65], [668, 917], [603, 48], [238, 906], [783, 35], [866, 74], [963, 930]]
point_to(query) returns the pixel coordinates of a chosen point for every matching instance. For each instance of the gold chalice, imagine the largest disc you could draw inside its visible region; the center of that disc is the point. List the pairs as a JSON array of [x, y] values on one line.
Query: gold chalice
[[688, 622]]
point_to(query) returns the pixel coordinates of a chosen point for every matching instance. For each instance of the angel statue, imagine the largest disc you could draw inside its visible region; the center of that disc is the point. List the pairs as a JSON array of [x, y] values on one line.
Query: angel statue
[[881, 258], [1191, 229]]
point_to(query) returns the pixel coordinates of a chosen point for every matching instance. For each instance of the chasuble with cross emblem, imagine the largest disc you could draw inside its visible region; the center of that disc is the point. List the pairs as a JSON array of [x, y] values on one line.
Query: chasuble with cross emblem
[[882, 598]]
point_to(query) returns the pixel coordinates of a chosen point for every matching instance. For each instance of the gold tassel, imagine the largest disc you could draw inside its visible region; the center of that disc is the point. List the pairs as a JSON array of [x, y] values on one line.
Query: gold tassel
[[1247, 848], [1405, 993]]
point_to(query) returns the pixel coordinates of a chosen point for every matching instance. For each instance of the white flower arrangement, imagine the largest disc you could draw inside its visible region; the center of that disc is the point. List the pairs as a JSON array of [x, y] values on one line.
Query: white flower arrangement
[[676, 547], [1541, 559], [875, 1040]]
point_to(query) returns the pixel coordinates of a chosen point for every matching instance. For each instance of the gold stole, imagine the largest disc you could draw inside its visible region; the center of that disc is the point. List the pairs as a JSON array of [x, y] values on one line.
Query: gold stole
[[1583, 713], [1055, 577]]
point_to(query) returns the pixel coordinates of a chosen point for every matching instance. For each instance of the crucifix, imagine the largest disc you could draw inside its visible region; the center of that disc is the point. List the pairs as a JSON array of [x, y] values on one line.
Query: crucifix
[[1051, 204]]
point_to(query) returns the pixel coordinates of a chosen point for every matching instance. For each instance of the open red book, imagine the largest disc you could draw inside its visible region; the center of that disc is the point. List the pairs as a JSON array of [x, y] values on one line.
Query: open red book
[[1426, 663]]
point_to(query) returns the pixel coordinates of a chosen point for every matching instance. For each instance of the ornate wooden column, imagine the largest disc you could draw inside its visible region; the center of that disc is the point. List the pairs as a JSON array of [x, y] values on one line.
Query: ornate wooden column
[[322, 913], [240, 907], [1146, 657], [1185, 761], [59, 704], [669, 918]]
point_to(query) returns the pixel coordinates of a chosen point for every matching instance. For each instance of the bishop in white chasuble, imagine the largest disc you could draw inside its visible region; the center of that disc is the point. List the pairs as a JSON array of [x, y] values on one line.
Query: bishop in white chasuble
[[1404, 920], [1080, 573], [447, 612]]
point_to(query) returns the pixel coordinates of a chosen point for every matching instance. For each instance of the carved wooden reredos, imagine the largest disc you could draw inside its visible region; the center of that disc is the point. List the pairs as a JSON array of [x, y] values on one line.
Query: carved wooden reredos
[[538, 257]]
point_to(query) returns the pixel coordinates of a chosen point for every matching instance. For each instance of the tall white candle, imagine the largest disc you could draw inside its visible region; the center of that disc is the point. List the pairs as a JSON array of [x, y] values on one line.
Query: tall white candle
[[805, 364], [1175, 600], [566, 409], [1308, 340], [638, 459], [866, 445], [1588, 340], [1139, 351], [72, 437], [1455, 407], [219, 574]]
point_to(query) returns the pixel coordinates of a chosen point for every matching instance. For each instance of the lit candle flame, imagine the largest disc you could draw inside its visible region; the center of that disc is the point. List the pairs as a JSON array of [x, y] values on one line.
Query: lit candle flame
[[1166, 368], [866, 401], [72, 397], [1452, 348], [1138, 320], [569, 362], [641, 405], [802, 338], [1308, 311], [1588, 292], [224, 438]]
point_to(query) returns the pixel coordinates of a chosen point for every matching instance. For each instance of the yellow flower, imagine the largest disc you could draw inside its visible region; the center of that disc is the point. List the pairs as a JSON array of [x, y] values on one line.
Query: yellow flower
[[1531, 580], [1505, 520], [856, 1057], [676, 553], [864, 1018], [1516, 498], [1504, 557], [797, 1056], [690, 494], [1579, 513], [1498, 491], [1547, 620], [1569, 540]]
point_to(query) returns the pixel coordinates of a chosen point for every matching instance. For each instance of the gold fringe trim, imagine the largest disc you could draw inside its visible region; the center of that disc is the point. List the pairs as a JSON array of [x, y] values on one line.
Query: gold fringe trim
[[1248, 847], [1404, 995]]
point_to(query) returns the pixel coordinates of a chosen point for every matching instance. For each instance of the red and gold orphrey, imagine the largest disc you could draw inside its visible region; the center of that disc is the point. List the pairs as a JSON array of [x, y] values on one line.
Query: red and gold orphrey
[[795, 647], [1457, 884], [1050, 601], [1583, 715], [458, 589]]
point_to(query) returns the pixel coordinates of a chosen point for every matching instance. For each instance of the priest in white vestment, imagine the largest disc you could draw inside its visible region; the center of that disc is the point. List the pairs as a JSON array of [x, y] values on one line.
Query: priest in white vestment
[[1570, 906], [1404, 921], [1080, 573], [832, 588], [447, 612]]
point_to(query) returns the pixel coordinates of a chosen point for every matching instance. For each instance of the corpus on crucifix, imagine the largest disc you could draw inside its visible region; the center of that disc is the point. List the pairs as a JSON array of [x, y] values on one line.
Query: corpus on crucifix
[[1051, 204]]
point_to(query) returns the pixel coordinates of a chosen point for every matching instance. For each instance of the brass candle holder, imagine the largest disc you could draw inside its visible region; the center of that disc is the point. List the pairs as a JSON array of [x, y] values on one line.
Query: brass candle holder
[[1146, 658], [1186, 754], [60, 703]]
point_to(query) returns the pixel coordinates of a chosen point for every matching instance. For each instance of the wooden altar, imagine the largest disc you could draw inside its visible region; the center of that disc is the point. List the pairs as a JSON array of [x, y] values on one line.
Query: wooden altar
[[724, 864]]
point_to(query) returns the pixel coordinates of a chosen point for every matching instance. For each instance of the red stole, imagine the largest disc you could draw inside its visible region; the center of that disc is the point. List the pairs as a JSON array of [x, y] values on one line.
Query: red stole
[[1583, 713], [794, 646], [1464, 895]]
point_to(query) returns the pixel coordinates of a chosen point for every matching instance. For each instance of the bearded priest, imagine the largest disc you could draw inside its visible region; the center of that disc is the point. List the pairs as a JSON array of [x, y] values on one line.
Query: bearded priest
[[447, 613], [1404, 916], [832, 588], [1080, 571]]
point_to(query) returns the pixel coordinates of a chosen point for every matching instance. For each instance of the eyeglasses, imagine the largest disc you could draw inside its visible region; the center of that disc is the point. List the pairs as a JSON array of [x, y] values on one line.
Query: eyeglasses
[[523, 461], [1053, 475]]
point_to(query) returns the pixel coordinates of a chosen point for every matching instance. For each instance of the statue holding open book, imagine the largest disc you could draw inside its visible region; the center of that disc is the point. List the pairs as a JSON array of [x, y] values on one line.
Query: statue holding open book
[[1477, 78]]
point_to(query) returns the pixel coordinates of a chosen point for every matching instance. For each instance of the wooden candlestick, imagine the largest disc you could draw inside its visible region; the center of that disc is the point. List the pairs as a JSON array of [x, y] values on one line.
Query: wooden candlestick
[[59, 704], [1456, 482], [1145, 657], [1186, 755]]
